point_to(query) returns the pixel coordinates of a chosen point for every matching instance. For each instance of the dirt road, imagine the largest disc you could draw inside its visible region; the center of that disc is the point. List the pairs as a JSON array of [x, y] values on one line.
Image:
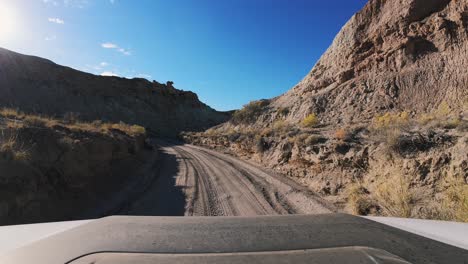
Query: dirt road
[[196, 181]]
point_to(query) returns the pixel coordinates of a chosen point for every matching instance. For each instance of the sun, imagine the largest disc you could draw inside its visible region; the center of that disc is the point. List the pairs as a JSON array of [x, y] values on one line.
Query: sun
[[8, 22]]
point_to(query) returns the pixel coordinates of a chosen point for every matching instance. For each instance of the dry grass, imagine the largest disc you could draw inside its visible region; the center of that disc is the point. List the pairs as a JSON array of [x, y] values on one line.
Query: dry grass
[[11, 113], [389, 120], [358, 201], [393, 194], [454, 202], [19, 119], [283, 111], [249, 112], [300, 139], [389, 127], [443, 117], [280, 127], [310, 121], [12, 149]]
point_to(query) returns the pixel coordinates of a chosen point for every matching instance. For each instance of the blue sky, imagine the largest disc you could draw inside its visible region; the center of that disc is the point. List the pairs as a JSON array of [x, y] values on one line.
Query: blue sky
[[229, 52]]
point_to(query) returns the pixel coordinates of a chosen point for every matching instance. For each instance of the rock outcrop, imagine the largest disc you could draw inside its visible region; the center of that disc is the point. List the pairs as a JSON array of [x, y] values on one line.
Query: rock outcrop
[[393, 55], [39, 86]]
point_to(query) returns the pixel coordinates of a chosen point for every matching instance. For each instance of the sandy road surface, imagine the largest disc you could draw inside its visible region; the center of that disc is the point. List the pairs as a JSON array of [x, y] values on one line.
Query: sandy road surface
[[196, 181]]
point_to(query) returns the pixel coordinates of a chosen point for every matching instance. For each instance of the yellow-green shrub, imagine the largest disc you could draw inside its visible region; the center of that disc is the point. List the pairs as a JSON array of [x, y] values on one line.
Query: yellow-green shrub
[[310, 121]]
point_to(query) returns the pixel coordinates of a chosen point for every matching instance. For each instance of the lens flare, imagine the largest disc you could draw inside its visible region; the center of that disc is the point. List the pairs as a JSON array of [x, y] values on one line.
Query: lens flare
[[8, 22]]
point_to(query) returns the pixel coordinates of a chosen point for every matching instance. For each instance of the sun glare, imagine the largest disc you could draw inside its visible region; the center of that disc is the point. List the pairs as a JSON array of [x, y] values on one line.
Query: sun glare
[[8, 21]]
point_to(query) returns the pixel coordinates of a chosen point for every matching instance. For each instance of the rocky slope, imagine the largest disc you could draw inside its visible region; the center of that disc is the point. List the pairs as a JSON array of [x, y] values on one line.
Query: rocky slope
[[392, 55], [36, 85], [379, 125]]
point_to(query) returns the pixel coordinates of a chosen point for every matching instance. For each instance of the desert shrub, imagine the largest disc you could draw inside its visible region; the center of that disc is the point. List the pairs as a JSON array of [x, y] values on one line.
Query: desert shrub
[[280, 126], [11, 113], [232, 135], [14, 124], [137, 130], [393, 194], [38, 121], [389, 120], [358, 200], [443, 109], [260, 144], [389, 128], [454, 203], [283, 111], [267, 131], [341, 134], [12, 149], [310, 121], [314, 139], [442, 116], [451, 123], [300, 139], [249, 112]]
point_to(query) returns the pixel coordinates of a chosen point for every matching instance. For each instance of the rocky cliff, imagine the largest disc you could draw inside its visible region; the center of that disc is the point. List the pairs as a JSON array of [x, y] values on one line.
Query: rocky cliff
[[393, 55], [36, 85]]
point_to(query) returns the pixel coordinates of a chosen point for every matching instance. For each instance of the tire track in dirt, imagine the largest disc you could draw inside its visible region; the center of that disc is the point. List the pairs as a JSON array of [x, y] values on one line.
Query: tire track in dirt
[[196, 181]]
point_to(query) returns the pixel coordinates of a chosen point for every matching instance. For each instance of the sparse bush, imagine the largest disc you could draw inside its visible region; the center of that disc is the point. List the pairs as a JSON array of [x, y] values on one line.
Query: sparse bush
[[137, 130], [300, 139], [11, 149], [389, 120], [281, 126], [358, 200], [283, 111], [310, 121], [260, 144], [36, 121], [393, 194], [249, 112], [341, 134], [11, 113], [443, 117], [451, 123], [389, 128], [314, 139], [454, 202]]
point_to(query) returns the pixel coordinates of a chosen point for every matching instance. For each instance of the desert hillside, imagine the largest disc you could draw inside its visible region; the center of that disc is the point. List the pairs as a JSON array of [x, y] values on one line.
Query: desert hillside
[[39, 86], [379, 125], [55, 170]]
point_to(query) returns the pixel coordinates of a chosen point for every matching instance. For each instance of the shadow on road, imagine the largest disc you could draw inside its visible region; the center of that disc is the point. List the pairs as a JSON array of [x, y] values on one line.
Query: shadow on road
[[162, 197]]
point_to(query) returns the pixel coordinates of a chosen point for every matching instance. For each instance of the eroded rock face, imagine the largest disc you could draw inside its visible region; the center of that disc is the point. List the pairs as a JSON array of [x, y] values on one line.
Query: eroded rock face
[[39, 86], [66, 173], [392, 55]]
